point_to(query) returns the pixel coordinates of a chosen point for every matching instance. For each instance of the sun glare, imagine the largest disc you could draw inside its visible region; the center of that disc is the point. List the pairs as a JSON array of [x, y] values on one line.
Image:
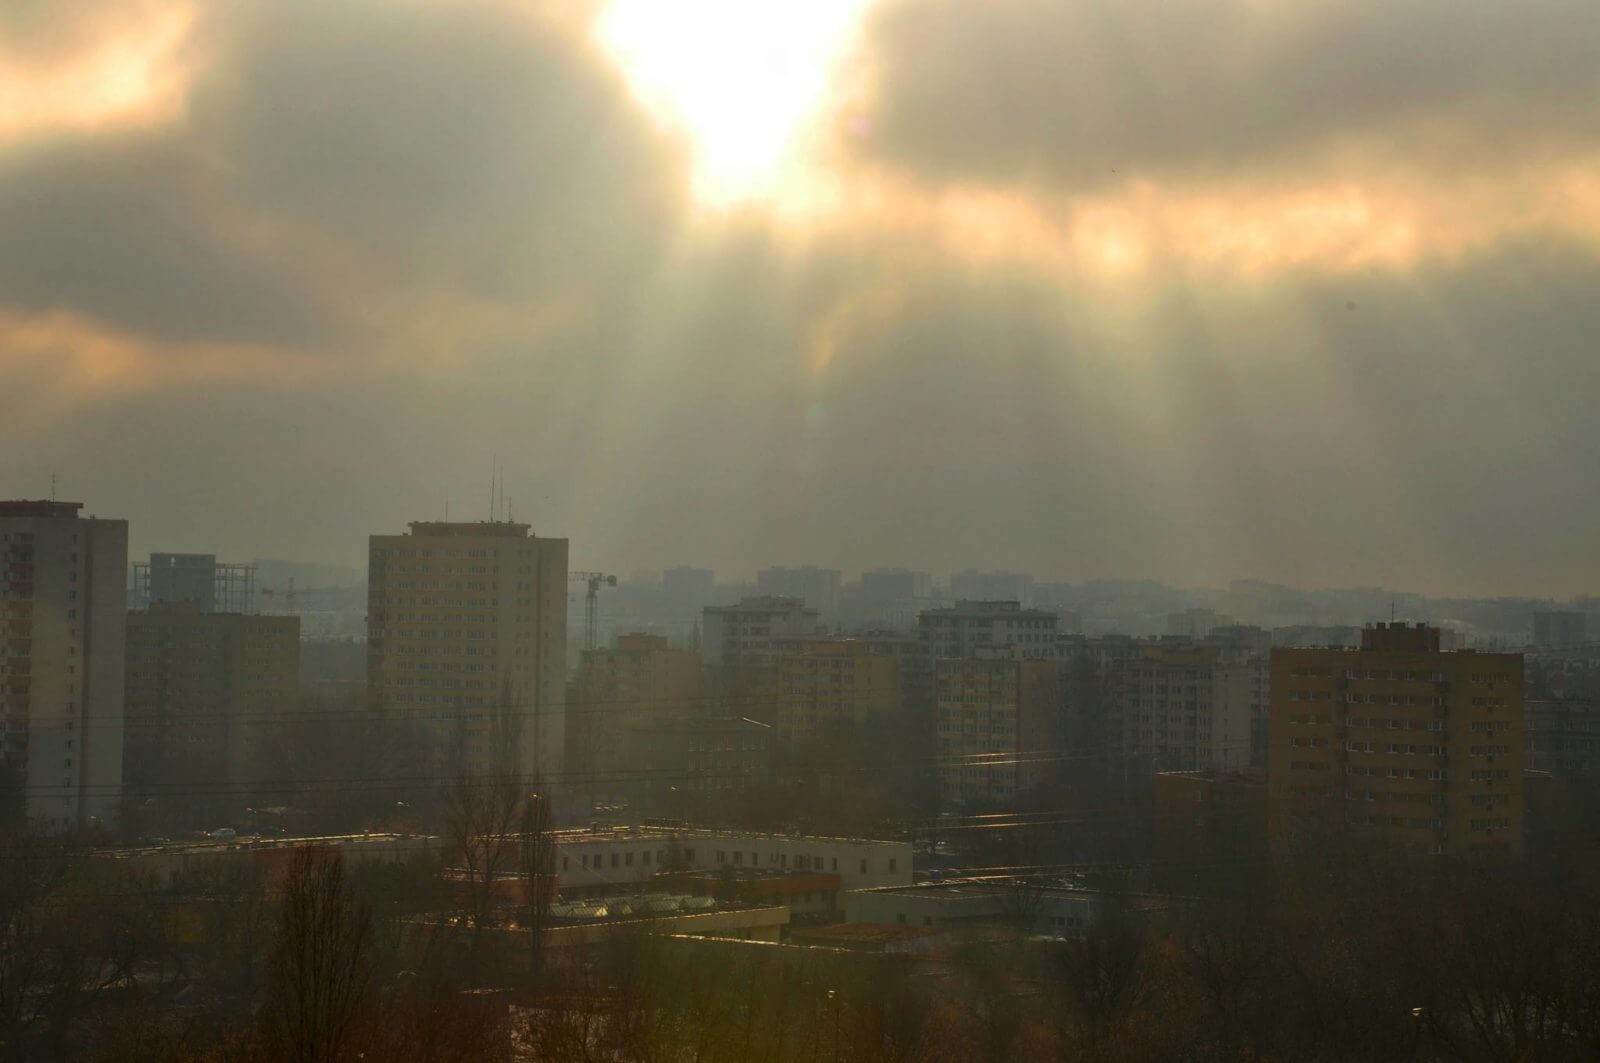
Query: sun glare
[[743, 80]]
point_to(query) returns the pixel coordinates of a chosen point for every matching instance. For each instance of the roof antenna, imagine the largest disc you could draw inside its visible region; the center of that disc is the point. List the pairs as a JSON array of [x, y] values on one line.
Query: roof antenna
[[52, 487]]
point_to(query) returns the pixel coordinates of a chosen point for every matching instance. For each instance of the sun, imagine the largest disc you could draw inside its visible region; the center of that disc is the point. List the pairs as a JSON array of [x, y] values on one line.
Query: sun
[[743, 80]]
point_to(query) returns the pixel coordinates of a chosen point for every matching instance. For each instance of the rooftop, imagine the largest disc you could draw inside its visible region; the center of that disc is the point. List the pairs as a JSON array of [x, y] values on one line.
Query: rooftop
[[469, 529], [581, 835], [44, 507]]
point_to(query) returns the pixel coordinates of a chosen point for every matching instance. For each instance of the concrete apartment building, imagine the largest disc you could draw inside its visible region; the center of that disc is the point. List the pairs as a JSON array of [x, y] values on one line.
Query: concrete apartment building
[[63, 600], [977, 586], [996, 724], [756, 632], [1182, 708], [817, 587], [467, 632], [964, 627], [1560, 629], [639, 682], [834, 682], [1421, 746], [205, 696], [673, 766]]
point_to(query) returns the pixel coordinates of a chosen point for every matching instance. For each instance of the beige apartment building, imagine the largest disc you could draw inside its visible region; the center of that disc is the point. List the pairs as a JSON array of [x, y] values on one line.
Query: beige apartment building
[[63, 606], [642, 682], [1421, 746], [1184, 708], [834, 682], [467, 630], [995, 717]]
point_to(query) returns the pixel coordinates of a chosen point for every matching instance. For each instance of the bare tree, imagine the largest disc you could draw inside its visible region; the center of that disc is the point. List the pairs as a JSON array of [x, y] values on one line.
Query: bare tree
[[319, 973]]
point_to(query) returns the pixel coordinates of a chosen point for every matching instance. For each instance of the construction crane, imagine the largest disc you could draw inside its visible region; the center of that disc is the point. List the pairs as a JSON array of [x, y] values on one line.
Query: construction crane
[[595, 580]]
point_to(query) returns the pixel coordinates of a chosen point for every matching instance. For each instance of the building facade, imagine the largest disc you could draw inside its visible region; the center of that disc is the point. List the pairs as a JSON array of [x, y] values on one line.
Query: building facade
[[1421, 746], [63, 597], [756, 632], [1182, 708], [206, 693], [817, 587], [996, 725], [964, 627], [467, 630], [832, 684]]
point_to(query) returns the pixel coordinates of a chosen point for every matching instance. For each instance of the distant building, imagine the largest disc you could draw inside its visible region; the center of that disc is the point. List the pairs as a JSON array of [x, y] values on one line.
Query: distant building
[[996, 724], [961, 629], [687, 587], [835, 682], [888, 597], [756, 632], [975, 586], [467, 629], [63, 601], [817, 587], [956, 904], [671, 765], [1185, 709], [642, 680], [198, 579], [1563, 736], [1559, 629], [1210, 814], [1420, 746], [1196, 623], [206, 695]]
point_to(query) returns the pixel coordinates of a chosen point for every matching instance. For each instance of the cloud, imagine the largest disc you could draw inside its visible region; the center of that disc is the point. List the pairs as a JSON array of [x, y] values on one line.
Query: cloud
[[1086, 94], [337, 166]]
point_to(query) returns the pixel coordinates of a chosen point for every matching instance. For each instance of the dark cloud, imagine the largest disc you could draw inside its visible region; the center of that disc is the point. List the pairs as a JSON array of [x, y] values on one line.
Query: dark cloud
[[336, 160], [1089, 92]]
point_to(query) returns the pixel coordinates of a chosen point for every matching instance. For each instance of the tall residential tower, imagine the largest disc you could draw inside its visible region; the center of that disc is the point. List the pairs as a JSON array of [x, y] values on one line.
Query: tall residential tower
[[63, 594], [467, 637]]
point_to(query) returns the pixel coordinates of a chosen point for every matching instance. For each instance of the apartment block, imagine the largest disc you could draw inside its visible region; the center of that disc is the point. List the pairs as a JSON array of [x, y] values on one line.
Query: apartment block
[[996, 724], [63, 603], [756, 632], [834, 682], [206, 695], [961, 629], [467, 628], [1182, 708], [1423, 747], [639, 682]]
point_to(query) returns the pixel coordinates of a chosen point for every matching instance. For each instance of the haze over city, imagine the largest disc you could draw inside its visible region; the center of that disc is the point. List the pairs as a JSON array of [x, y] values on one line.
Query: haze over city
[[882, 531], [1192, 290]]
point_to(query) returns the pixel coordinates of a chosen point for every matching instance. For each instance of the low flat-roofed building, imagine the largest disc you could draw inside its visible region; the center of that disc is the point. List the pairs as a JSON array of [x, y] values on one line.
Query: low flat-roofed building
[[598, 861], [1039, 908]]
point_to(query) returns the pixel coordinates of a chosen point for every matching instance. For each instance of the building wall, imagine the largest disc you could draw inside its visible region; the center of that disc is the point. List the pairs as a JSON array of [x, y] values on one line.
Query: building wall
[[836, 682], [756, 632], [640, 682], [969, 625], [996, 724], [467, 636], [1421, 746], [595, 862], [64, 606], [205, 694]]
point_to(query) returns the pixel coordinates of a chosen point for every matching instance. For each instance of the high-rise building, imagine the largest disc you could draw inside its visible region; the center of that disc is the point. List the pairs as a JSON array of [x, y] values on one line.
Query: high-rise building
[[975, 586], [688, 586], [467, 630], [962, 628], [996, 717], [756, 632], [833, 684], [817, 587], [199, 579], [63, 598], [1182, 708], [1560, 628], [642, 680], [206, 693], [1422, 746]]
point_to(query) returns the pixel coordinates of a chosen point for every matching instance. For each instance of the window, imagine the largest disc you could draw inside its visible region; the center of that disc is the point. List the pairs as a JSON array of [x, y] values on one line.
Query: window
[[863, 867], [891, 865]]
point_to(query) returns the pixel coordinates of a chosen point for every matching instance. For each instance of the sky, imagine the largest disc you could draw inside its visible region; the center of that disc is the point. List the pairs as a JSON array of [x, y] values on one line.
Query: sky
[[1300, 290]]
